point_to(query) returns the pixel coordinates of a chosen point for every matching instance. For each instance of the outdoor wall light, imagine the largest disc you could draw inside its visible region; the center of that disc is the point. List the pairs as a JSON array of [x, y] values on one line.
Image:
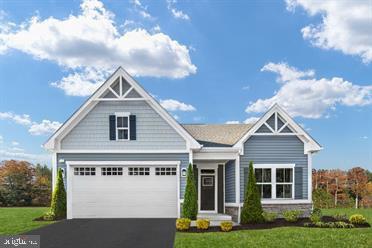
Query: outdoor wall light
[[183, 172]]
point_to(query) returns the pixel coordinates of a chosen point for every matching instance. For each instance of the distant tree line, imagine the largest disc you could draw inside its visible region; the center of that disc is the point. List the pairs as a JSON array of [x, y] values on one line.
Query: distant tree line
[[24, 184], [340, 188]]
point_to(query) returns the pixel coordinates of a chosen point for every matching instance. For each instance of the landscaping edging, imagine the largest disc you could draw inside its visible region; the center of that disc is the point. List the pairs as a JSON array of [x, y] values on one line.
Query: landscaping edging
[[280, 222]]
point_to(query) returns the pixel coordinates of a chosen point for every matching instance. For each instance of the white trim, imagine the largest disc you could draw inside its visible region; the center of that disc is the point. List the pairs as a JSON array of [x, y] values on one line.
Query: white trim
[[98, 163], [272, 201], [53, 142], [113, 92], [237, 184], [178, 190], [121, 151], [309, 176], [69, 191], [54, 170], [268, 126], [270, 166], [210, 166], [122, 115], [128, 91], [224, 186], [310, 143], [121, 86], [118, 99]]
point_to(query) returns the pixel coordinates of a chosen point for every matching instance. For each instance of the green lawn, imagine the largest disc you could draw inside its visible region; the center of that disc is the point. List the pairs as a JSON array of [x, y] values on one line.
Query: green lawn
[[284, 237], [20, 220]]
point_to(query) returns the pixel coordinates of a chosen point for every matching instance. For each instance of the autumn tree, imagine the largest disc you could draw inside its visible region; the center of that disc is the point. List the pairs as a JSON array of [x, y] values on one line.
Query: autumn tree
[[357, 182], [337, 182], [42, 186], [16, 179]]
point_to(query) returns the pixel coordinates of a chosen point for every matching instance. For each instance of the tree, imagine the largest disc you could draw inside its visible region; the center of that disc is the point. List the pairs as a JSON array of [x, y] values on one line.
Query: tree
[[252, 209], [190, 202], [357, 180], [16, 179], [58, 205], [42, 186], [322, 199], [337, 183]]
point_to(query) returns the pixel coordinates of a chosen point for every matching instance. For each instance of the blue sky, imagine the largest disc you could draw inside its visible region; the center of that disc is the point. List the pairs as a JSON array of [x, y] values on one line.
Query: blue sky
[[205, 61]]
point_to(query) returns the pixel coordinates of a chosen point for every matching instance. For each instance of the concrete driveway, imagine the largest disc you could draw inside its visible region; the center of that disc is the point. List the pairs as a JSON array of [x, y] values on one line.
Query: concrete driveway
[[107, 233]]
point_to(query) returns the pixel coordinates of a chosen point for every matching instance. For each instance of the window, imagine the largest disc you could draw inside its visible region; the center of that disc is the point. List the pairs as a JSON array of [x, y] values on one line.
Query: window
[[284, 181], [112, 171], [275, 181], [84, 171], [122, 126], [139, 171], [165, 171], [263, 180], [207, 181]]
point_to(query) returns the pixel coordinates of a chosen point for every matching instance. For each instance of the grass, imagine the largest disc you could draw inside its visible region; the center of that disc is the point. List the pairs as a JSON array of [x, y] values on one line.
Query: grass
[[284, 237], [20, 220]]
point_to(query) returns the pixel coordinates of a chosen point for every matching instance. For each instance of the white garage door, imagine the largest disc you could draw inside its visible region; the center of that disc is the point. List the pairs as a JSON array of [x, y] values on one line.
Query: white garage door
[[123, 191]]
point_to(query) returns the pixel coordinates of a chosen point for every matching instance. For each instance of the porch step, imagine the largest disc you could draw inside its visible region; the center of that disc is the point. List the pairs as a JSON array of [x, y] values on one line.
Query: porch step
[[215, 217]]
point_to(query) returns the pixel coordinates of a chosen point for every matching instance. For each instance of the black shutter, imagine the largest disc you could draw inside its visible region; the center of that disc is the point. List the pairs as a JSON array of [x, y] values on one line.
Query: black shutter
[[132, 127], [112, 125]]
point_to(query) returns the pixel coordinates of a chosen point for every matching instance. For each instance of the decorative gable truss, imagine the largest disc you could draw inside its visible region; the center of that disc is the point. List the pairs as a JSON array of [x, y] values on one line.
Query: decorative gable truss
[[120, 86], [276, 122]]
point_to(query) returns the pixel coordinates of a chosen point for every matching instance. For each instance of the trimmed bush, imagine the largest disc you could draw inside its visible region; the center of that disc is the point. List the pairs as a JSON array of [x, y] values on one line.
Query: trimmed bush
[[357, 219], [58, 205], [183, 224], [226, 226], [190, 203], [269, 217], [252, 209], [338, 224], [202, 224], [292, 215], [316, 215], [340, 217]]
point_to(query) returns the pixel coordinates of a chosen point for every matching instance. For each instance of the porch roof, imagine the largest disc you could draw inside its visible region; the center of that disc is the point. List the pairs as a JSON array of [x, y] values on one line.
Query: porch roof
[[217, 135]]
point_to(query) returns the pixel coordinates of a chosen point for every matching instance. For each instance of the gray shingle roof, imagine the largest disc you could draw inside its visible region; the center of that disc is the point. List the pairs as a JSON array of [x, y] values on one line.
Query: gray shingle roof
[[217, 135]]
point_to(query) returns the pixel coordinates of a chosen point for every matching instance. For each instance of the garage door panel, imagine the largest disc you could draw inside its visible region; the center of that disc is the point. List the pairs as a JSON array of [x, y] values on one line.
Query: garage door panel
[[124, 196]]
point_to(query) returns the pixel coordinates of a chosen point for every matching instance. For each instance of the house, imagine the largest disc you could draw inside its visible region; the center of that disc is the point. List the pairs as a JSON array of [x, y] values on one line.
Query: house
[[124, 156]]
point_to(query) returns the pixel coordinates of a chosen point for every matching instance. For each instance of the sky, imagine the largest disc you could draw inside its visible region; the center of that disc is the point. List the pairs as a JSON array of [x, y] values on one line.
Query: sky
[[204, 61]]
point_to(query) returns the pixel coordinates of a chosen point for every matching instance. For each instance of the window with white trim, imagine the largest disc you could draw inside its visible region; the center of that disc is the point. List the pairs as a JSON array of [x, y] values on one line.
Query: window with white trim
[[275, 181], [139, 171], [122, 126], [165, 171], [112, 171], [84, 171]]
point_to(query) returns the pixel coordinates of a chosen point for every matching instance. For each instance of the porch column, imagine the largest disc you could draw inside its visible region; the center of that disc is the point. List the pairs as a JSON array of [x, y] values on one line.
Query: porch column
[[237, 184]]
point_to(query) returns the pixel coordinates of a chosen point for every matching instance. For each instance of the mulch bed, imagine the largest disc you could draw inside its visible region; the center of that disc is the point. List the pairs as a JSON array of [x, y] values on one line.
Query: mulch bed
[[41, 218], [280, 222]]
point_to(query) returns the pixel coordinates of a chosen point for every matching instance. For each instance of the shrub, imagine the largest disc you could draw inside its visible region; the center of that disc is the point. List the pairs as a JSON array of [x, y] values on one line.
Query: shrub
[[322, 199], [292, 215], [316, 215], [338, 224], [190, 203], [252, 209], [340, 217], [226, 226], [269, 217], [357, 219], [183, 224], [49, 216], [342, 224], [202, 224], [308, 224], [58, 205]]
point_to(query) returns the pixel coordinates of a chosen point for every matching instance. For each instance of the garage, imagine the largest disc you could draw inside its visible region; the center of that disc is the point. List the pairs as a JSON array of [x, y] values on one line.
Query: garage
[[122, 190]]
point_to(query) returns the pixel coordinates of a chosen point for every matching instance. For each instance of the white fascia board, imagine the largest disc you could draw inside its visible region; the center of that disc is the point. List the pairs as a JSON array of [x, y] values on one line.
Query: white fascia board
[[102, 163], [122, 151], [310, 143]]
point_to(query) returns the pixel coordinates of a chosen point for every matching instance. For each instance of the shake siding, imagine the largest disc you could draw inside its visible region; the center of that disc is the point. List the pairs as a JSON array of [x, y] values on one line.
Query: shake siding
[[230, 181], [276, 150], [153, 132], [183, 157]]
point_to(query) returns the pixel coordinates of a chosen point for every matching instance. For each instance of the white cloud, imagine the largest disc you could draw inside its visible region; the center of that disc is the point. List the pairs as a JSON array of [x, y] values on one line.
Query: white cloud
[[91, 43], [19, 119], [20, 155], [346, 26], [44, 127], [232, 122], [141, 9], [301, 94], [16, 149], [247, 87], [364, 137], [15, 143], [1, 139], [174, 105], [35, 128], [251, 120], [178, 14]]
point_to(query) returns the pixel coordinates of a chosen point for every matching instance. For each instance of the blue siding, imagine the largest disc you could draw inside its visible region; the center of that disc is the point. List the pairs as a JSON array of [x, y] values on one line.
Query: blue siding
[[277, 150], [183, 157], [230, 181]]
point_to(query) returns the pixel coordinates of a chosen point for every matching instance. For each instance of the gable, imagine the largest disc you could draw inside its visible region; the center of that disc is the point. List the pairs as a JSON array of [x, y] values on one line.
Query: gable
[[276, 122], [121, 89]]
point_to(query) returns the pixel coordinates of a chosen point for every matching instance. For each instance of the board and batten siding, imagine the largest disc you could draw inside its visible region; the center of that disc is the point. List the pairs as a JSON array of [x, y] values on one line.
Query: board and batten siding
[[182, 157], [230, 181], [153, 132], [276, 150]]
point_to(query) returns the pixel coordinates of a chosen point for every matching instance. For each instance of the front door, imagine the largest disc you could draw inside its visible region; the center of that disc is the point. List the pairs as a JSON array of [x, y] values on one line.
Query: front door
[[207, 193]]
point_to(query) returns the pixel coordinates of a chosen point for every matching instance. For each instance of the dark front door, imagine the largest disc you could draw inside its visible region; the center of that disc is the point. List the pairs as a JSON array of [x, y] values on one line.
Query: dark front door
[[207, 192]]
